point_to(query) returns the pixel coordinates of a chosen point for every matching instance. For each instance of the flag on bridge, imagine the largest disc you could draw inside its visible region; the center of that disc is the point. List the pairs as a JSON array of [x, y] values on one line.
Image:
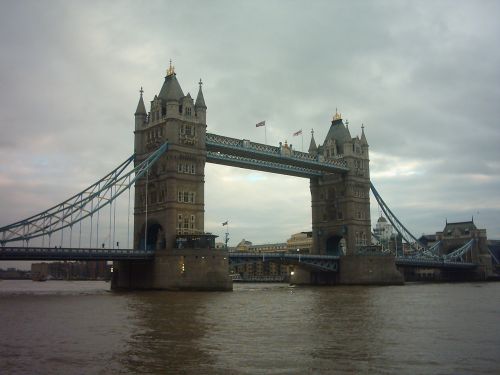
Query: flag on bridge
[[297, 133], [262, 123], [224, 223]]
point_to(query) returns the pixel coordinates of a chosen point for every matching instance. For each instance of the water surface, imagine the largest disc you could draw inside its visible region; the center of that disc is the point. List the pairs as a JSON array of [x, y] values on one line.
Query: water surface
[[61, 327]]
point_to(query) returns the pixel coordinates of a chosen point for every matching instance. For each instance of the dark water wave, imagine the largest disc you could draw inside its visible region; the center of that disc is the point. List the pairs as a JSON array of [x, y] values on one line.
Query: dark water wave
[[82, 328]]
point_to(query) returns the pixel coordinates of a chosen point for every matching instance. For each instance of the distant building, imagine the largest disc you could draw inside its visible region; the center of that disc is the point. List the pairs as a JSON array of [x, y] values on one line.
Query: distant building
[[261, 270], [14, 274], [301, 241], [86, 270], [386, 237], [383, 229], [428, 239], [494, 249], [455, 235]]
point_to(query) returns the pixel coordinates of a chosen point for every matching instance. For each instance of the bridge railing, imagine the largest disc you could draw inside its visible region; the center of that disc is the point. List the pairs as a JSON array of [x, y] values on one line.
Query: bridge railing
[[56, 253]]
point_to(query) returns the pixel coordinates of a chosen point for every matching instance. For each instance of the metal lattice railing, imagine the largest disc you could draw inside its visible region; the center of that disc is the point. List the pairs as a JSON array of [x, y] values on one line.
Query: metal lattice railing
[[81, 205], [258, 151], [216, 157]]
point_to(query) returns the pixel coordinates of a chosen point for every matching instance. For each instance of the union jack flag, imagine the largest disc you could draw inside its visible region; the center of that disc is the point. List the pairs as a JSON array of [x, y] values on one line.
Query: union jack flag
[[297, 133], [262, 123]]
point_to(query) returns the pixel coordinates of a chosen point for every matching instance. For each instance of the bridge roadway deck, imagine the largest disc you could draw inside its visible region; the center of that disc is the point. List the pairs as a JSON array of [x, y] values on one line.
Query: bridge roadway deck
[[319, 262], [59, 253], [432, 263]]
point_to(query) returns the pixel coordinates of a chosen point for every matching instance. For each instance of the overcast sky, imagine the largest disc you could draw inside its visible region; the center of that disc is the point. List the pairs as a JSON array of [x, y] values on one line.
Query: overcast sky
[[422, 76]]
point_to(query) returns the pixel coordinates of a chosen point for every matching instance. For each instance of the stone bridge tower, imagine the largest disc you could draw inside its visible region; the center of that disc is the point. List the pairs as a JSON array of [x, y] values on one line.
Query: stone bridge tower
[[169, 201], [341, 202]]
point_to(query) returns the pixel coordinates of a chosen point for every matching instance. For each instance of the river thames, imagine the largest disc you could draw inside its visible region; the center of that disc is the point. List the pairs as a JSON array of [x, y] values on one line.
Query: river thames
[[60, 327]]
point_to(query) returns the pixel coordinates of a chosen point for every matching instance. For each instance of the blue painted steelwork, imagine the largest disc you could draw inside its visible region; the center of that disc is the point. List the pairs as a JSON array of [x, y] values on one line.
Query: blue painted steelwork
[[432, 263], [459, 253], [240, 152], [317, 262], [81, 205], [420, 252], [433, 251], [261, 165], [46, 253], [410, 239]]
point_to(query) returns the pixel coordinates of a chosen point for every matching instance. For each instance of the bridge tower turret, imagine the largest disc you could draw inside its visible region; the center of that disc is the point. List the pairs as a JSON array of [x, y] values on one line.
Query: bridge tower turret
[[140, 119], [200, 107], [341, 202]]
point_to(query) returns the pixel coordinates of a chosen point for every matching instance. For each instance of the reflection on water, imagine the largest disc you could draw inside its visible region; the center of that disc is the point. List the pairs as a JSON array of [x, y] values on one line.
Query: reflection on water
[[167, 331], [62, 328]]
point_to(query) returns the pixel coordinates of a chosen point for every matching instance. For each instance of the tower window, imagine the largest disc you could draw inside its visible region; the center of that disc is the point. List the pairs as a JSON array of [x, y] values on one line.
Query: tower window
[[187, 129], [179, 224], [186, 168], [186, 197]]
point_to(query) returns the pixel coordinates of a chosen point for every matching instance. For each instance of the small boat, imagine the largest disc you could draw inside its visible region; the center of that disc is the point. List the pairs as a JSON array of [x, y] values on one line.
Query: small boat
[[236, 277]]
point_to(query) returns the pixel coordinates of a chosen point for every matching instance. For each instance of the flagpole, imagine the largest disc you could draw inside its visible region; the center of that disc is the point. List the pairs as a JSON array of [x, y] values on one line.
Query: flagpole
[[302, 134], [263, 123], [226, 224]]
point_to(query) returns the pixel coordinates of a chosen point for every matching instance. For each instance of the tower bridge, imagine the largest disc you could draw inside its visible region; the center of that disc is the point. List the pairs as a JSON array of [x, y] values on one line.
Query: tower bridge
[[170, 248]]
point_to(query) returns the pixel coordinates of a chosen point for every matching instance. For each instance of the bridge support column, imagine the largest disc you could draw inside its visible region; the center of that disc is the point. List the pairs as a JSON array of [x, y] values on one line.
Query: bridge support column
[[300, 277], [186, 269], [369, 270]]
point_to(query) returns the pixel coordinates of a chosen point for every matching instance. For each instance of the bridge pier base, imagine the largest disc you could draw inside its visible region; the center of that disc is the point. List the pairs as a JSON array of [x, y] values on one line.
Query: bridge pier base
[[369, 270], [180, 269], [353, 270]]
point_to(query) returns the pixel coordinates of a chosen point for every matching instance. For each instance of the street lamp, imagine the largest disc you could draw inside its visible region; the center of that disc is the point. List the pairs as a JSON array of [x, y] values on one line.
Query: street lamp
[[298, 251]]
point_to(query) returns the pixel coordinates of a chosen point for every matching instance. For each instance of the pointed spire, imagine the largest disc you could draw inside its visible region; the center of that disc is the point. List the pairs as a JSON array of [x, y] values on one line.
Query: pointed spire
[[337, 115], [171, 69], [312, 146], [171, 90], [200, 100], [349, 138], [364, 142], [141, 108]]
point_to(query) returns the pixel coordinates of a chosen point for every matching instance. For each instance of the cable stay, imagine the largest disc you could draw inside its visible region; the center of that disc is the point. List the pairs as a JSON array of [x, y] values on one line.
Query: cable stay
[[416, 246], [83, 204], [418, 250], [458, 254], [433, 251]]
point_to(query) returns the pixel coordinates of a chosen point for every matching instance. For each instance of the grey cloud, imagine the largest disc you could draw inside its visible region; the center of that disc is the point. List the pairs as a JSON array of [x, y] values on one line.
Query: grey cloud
[[422, 77]]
